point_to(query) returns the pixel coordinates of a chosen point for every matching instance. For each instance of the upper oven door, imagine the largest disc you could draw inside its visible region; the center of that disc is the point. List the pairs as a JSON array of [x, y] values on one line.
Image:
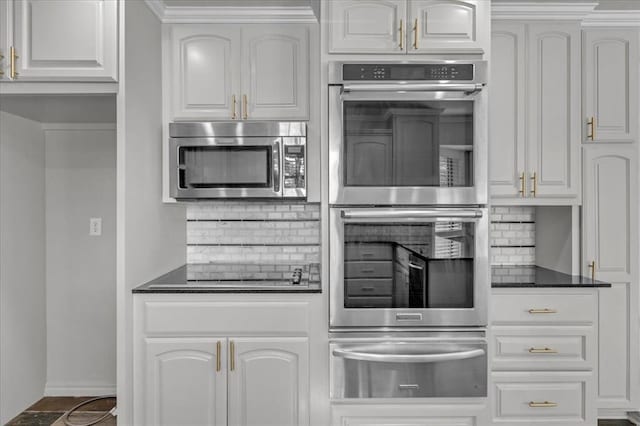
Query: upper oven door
[[393, 144], [408, 267], [218, 167]]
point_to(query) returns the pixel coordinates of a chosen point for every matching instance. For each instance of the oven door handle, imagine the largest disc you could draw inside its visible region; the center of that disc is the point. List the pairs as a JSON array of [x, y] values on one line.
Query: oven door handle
[[412, 87], [410, 358], [409, 214]]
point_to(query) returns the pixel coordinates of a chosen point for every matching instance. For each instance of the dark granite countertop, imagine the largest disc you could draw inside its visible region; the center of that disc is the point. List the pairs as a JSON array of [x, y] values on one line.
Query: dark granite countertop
[[236, 278], [526, 276]]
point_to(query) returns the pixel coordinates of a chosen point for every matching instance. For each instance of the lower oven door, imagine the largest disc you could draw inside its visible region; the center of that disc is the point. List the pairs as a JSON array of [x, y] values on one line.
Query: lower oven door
[[411, 368], [399, 267]]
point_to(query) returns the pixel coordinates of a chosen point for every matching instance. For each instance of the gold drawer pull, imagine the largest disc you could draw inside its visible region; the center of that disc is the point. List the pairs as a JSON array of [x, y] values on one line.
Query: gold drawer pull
[[542, 311], [522, 185], [401, 34], [542, 351], [592, 131], [232, 355], [545, 404], [534, 184]]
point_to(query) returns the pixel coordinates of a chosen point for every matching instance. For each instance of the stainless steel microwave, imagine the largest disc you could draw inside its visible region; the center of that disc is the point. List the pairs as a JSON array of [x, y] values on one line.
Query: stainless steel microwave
[[238, 160], [408, 133]]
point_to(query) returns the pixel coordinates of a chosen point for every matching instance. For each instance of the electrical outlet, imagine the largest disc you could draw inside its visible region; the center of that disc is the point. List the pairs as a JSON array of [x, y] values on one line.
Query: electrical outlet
[[95, 226]]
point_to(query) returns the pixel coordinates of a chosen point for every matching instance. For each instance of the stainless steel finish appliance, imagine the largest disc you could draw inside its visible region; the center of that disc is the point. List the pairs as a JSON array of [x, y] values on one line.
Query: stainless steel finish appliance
[[237, 160], [408, 133], [408, 365], [408, 267]]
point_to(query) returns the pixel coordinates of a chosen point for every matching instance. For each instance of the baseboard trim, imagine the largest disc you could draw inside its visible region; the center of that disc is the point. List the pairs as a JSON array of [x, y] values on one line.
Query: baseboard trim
[[79, 389]]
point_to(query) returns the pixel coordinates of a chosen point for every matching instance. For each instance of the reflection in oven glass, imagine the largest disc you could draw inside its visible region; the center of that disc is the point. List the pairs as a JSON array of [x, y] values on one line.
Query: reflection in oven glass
[[417, 265]]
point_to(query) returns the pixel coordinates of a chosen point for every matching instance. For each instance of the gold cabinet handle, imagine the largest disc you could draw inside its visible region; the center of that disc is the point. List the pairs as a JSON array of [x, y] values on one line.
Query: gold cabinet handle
[[1, 58], [14, 58], [415, 34], [245, 114], [218, 352], [232, 355], [401, 29], [534, 184], [542, 351], [545, 404], [592, 128], [592, 267], [234, 116], [523, 188], [542, 311]]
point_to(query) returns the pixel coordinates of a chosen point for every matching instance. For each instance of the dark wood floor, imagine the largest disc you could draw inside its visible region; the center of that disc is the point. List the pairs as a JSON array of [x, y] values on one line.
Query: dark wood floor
[[49, 410]]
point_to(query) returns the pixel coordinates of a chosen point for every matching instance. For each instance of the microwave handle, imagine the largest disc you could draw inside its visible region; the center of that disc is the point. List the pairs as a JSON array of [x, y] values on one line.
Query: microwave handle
[[409, 214], [277, 162], [361, 355]]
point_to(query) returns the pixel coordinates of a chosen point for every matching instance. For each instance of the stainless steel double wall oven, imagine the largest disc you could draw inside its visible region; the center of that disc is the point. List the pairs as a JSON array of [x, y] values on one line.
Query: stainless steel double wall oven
[[408, 228]]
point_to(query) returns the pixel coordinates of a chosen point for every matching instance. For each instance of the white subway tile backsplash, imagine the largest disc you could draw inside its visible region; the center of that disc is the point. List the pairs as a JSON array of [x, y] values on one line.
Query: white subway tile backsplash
[[253, 232], [513, 235]]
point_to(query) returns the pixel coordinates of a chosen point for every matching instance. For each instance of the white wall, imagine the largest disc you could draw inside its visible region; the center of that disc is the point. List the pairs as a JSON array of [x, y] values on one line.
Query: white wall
[[151, 235], [81, 269], [22, 265]]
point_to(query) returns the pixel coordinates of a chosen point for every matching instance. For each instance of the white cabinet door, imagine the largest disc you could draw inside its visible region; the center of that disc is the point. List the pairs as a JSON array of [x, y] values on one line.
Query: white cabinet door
[[185, 382], [554, 109], [367, 26], [275, 72], [66, 39], [610, 236], [610, 85], [205, 69], [269, 382], [507, 110], [446, 24], [6, 38]]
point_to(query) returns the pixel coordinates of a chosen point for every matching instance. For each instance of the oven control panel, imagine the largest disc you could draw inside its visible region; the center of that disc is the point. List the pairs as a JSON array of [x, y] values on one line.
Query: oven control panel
[[405, 72]]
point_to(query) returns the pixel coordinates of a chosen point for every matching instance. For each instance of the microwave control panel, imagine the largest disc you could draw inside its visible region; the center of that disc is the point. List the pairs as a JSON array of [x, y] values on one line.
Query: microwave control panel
[[294, 167], [408, 72]]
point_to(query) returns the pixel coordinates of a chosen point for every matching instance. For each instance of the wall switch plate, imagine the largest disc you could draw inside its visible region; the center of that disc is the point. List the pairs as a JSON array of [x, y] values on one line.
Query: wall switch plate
[[95, 226]]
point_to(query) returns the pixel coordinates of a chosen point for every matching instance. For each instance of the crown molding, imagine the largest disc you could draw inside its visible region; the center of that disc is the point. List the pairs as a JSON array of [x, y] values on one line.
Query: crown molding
[[612, 18], [230, 14], [529, 10]]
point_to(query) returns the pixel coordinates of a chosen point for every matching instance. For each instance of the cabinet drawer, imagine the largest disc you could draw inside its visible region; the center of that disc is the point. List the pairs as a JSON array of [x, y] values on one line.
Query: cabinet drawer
[[544, 307], [543, 348], [171, 317], [381, 269], [549, 398], [369, 287], [368, 252]]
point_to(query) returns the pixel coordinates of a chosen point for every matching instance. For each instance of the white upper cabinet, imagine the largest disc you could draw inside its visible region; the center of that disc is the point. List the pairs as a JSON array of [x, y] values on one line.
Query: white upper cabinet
[[553, 156], [62, 40], [5, 43], [534, 129], [232, 72], [446, 24], [275, 63], [407, 26], [374, 26], [506, 110], [205, 81], [269, 382], [610, 72]]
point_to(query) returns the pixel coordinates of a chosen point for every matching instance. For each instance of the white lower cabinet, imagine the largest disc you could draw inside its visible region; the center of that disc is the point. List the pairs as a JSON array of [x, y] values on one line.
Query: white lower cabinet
[[188, 371], [550, 398], [544, 350]]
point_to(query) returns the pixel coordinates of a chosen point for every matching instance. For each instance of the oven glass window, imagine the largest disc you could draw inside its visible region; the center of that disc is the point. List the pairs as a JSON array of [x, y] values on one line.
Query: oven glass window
[[409, 265], [228, 167], [408, 143]]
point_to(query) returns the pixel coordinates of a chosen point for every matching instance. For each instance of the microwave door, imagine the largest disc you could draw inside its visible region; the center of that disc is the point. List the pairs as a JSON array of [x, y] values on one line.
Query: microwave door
[[226, 168]]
